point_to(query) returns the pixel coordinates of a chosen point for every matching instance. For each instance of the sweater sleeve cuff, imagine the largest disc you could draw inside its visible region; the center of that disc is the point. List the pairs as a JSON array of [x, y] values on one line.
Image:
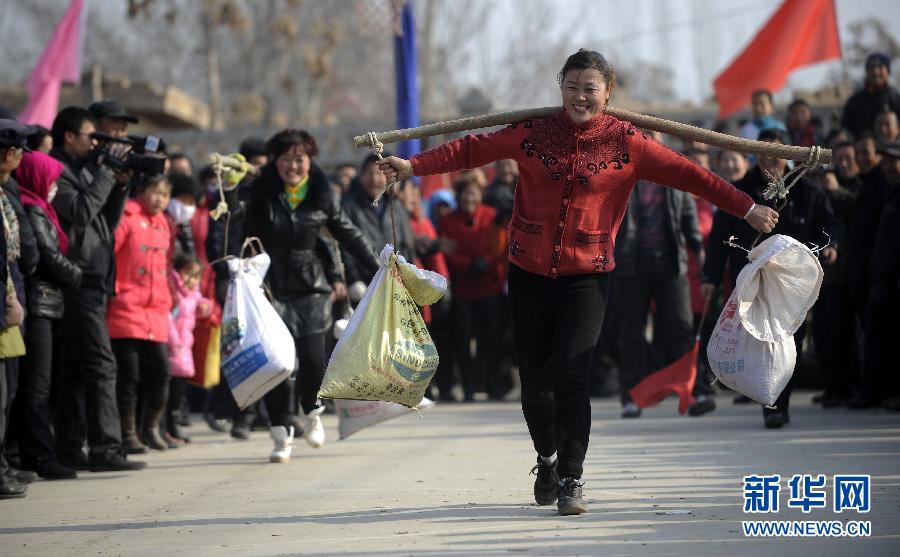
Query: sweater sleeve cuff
[[416, 163]]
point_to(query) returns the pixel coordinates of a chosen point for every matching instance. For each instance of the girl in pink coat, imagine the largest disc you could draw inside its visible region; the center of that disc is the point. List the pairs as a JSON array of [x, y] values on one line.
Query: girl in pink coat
[[138, 315], [189, 306]]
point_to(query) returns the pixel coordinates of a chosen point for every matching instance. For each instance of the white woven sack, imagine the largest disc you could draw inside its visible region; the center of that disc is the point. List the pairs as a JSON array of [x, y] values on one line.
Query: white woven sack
[[752, 348], [354, 415]]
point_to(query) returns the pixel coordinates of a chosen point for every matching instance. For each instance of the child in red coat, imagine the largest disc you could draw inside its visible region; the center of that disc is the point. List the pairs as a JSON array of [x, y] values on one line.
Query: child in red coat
[[138, 316]]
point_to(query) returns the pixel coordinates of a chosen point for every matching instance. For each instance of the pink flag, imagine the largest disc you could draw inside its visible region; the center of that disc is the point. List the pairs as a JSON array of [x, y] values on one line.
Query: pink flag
[[60, 61]]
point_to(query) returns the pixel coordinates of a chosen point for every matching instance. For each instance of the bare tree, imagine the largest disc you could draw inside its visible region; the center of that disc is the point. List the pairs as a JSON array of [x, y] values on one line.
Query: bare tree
[[284, 60], [645, 81], [515, 69]]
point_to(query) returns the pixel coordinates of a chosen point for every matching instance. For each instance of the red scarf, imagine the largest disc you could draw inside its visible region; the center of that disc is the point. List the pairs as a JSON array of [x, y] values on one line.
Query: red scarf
[[35, 174]]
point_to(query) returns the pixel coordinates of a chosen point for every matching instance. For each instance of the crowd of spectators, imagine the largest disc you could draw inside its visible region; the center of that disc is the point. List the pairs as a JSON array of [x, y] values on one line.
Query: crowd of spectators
[[115, 287]]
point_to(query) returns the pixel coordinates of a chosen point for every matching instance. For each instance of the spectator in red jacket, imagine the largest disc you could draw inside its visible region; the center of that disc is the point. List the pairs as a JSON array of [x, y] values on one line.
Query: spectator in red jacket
[[577, 168], [429, 254], [439, 317], [138, 315], [477, 274]]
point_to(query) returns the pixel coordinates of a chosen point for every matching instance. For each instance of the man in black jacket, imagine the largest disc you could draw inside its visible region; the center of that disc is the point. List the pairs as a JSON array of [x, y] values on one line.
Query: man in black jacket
[[881, 353], [89, 201], [876, 96], [374, 221], [807, 217], [651, 266], [833, 326]]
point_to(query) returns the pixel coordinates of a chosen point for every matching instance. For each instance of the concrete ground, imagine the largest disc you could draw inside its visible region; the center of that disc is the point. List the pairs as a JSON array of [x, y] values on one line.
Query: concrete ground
[[455, 482]]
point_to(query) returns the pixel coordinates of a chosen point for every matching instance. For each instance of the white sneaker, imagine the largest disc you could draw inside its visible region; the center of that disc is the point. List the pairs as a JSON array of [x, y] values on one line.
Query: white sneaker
[[283, 438], [313, 430]]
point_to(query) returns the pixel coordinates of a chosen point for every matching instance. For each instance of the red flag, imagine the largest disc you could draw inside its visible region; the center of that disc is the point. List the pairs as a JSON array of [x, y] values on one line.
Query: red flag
[[678, 377], [800, 33], [60, 61]]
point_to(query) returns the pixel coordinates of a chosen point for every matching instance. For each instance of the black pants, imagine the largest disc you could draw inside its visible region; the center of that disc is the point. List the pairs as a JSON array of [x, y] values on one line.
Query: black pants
[[221, 404], [656, 280], [143, 366], [881, 354], [311, 358], [88, 407], [557, 323], [32, 405], [12, 366], [4, 422], [480, 320], [834, 332], [177, 389], [441, 330]]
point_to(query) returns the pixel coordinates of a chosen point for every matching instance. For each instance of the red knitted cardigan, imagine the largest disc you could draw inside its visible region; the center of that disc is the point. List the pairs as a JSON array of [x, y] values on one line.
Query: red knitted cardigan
[[574, 184]]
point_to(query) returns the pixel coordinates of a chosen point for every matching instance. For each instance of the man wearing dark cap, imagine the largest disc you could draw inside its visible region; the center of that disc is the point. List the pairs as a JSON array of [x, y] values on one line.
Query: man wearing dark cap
[[13, 136], [7, 113], [881, 383], [876, 96], [808, 212], [89, 201], [111, 118], [254, 150], [26, 257]]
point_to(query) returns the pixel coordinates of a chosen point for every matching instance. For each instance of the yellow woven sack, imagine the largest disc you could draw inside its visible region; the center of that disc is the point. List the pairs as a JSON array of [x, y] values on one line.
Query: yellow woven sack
[[212, 377], [12, 345], [386, 352]]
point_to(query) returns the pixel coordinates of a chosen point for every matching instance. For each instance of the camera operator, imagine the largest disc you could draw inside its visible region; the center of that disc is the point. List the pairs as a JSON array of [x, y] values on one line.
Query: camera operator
[[111, 118], [89, 201]]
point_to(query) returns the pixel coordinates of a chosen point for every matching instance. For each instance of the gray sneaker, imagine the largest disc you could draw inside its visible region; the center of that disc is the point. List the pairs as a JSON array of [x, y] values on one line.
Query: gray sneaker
[[631, 410], [570, 497], [703, 404], [546, 482]]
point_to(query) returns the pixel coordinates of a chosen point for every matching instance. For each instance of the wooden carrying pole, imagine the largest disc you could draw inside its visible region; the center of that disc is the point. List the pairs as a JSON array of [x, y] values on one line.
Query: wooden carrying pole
[[684, 131]]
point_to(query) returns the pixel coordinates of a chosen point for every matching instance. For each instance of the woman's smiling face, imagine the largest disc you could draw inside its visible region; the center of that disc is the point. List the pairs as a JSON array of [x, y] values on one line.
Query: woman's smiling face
[[584, 94]]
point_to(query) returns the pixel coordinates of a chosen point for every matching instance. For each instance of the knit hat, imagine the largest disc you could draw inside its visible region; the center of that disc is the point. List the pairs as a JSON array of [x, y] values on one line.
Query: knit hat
[[879, 59]]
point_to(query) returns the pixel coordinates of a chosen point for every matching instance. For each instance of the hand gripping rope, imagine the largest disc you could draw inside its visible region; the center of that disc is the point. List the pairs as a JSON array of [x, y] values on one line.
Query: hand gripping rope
[[378, 148]]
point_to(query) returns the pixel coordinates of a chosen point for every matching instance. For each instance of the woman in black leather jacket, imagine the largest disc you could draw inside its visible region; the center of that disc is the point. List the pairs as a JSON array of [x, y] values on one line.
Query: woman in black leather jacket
[[37, 176], [286, 207]]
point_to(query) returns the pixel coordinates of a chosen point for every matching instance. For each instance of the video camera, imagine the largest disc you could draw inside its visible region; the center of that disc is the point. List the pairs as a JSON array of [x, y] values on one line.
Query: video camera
[[146, 155]]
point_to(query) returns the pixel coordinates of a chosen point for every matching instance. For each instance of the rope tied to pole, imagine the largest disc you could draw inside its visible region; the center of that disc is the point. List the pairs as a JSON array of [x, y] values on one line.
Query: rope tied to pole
[[221, 207], [378, 148], [777, 190]]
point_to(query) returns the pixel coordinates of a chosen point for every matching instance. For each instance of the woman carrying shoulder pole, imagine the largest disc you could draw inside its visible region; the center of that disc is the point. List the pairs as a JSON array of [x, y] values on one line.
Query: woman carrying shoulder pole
[[577, 169]]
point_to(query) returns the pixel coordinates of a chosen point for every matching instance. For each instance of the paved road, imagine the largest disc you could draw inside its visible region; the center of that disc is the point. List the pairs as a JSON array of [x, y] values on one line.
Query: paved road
[[455, 482]]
